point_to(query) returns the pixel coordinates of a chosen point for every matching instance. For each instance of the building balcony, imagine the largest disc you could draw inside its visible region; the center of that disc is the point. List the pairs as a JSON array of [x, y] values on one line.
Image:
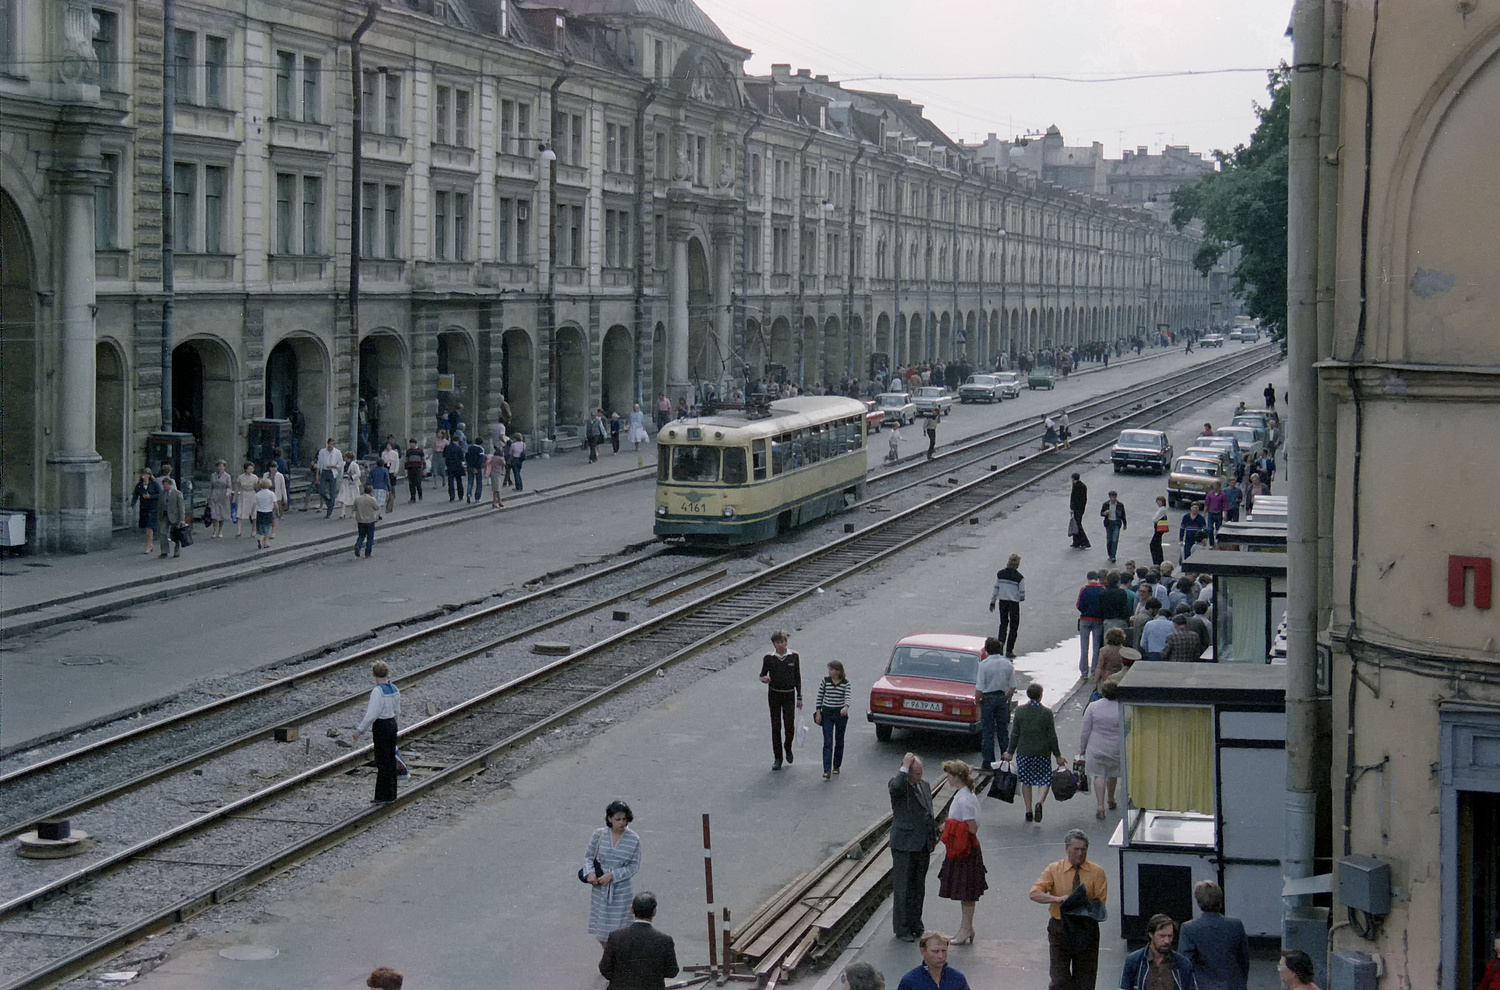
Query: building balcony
[[505, 274], [209, 267], [451, 156], [617, 278], [382, 270], [301, 135]]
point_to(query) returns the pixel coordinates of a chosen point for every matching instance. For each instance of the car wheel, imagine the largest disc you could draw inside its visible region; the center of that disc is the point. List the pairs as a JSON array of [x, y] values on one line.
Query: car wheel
[[1117, 469], [882, 732]]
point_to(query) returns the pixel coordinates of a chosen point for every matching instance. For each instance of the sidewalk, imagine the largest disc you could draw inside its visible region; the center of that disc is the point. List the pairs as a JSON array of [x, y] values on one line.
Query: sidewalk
[[39, 590]]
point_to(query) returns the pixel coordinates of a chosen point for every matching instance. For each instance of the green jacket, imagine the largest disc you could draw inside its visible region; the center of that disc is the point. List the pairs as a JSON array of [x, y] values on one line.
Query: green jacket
[[1033, 733]]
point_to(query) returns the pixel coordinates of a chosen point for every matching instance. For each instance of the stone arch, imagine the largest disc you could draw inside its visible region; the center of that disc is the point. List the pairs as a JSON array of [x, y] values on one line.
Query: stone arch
[[205, 398], [617, 371], [883, 340], [972, 343], [385, 386], [834, 357], [518, 375], [858, 358], [756, 349], [573, 406], [914, 340], [782, 352], [810, 367], [455, 357], [111, 421], [20, 463], [945, 341], [297, 377], [1033, 331], [899, 342]]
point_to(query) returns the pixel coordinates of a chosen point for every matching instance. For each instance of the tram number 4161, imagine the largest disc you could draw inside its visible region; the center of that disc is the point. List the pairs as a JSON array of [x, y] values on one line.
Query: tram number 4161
[[694, 508]]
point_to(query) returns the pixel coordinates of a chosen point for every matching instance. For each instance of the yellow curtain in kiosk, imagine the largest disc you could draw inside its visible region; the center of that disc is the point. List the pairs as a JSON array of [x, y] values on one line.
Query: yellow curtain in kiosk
[[1170, 758]]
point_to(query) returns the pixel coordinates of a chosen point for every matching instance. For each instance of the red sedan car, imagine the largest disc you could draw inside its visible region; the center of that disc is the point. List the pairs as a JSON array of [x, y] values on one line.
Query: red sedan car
[[929, 685], [874, 416]]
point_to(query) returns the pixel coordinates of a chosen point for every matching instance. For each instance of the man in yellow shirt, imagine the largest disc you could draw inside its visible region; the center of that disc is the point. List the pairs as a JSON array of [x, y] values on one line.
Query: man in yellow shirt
[[1073, 938]]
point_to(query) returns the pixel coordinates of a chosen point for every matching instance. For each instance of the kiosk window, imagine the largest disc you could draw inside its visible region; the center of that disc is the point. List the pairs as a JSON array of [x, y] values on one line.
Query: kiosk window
[[695, 464], [734, 465], [1170, 758]]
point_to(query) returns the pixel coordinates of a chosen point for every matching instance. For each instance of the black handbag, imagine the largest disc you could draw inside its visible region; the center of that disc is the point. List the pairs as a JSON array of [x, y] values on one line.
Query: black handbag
[[583, 875], [1004, 783], [183, 535], [1064, 784]]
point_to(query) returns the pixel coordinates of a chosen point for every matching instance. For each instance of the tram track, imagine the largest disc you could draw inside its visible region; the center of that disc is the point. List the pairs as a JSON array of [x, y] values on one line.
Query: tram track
[[270, 829]]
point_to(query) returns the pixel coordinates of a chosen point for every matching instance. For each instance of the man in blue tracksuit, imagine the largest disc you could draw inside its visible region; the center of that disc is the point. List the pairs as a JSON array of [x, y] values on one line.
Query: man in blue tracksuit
[[1156, 964]]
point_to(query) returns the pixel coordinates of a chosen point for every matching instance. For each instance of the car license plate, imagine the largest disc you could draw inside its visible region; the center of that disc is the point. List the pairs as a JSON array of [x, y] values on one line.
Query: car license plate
[[925, 706]]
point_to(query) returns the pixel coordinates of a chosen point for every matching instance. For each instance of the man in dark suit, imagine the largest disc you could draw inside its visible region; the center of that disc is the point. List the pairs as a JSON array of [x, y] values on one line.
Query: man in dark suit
[[1215, 945], [638, 957], [913, 837]]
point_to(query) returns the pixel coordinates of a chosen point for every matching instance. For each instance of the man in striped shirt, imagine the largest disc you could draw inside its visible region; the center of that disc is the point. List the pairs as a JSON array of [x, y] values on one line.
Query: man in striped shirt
[[1009, 593]]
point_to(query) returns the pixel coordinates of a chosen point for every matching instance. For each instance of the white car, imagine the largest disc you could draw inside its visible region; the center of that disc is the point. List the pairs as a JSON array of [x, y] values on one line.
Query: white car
[[933, 397], [898, 407], [1010, 384], [981, 388], [1211, 340]]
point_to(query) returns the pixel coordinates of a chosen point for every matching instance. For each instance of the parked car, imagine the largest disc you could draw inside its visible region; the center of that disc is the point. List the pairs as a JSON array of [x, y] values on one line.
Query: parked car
[[898, 408], [929, 685], [1147, 450], [1219, 440], [1041, 378], [933, 397], [1192, 477], [1223, 452], [981, 388], [874, 416], [1249, 437], [1211, 340], [1010, 384], [1266, 420]]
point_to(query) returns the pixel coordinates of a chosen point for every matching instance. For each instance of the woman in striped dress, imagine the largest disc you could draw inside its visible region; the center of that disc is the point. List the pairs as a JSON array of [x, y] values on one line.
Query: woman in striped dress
[[832, 713], [616, 851]]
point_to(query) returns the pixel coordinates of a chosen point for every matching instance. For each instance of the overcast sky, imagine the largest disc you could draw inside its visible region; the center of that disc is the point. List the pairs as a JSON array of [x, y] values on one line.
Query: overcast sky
[[852, 40]]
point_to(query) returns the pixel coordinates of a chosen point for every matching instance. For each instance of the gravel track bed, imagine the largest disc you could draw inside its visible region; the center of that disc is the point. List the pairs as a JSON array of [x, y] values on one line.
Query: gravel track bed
[[25, 800]]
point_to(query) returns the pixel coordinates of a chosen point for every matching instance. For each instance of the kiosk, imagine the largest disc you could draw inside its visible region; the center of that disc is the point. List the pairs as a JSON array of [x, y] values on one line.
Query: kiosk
[[1204, 757], [1249, 601]]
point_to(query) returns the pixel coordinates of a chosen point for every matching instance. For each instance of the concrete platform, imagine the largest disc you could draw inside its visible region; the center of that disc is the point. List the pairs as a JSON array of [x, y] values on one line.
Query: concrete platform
[[492, 902]]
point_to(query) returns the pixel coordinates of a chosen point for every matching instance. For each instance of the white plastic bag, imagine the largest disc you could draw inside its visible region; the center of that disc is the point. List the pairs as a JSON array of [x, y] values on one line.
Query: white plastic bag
[[801, 741]]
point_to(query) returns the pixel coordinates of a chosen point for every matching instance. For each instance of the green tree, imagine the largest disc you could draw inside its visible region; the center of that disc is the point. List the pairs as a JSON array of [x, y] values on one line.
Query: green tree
[[1244, 205]]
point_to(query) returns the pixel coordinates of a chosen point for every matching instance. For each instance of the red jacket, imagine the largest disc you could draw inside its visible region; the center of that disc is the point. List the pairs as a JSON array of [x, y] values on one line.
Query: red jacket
[[1491, 980]]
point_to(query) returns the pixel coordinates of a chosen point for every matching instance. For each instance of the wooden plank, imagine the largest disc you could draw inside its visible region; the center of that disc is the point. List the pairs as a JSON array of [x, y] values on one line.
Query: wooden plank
[[778, 901], [799, 952], [808, 906], [855, 892]]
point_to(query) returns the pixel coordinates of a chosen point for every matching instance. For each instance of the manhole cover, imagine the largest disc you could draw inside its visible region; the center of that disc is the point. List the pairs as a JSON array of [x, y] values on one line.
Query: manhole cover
[[85, 660], [250, 953]]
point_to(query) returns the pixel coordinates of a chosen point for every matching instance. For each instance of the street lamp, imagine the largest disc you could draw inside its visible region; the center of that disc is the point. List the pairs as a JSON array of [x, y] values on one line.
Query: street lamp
[[549, 317]]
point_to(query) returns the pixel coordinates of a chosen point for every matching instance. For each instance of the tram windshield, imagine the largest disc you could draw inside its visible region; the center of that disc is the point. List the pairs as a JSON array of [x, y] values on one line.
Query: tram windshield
[[695, 464]]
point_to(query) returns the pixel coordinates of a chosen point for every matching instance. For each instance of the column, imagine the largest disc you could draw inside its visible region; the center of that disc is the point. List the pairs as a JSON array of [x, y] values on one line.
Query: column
[[723, 319], [83, 510], [677, 328]]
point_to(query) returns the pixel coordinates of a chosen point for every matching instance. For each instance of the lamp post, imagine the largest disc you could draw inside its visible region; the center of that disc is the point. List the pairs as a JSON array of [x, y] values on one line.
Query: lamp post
[[549, 317]]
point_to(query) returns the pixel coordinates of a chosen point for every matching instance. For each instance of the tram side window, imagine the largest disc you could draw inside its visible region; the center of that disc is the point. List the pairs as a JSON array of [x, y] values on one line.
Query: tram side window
[[664, 463], [758, 456], [781, 456], [734, 465], [695, 464]]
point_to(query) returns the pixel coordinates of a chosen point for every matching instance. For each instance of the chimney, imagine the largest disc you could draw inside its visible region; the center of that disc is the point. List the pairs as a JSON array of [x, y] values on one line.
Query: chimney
[[780, 71]]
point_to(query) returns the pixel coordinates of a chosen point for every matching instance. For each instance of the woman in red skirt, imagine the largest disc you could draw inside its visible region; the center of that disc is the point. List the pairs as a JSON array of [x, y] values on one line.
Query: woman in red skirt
[[962, 878]]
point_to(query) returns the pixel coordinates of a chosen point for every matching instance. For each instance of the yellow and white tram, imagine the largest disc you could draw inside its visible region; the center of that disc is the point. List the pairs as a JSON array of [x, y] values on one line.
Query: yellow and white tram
[[728, 479]]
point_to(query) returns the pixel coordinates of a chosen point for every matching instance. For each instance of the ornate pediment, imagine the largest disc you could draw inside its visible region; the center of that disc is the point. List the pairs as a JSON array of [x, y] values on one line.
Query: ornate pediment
[[703, 78]]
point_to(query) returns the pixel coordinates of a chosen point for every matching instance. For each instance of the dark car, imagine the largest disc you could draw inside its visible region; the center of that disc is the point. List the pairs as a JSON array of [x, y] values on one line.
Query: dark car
[[1142, 450]]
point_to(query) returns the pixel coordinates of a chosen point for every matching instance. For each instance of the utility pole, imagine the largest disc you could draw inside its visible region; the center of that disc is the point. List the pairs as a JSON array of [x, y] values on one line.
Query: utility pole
[[168, 216]]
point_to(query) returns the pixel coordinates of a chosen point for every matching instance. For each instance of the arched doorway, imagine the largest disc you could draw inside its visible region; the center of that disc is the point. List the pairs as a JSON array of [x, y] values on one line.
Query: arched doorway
[[755, 350], [834, 367], [899, 345], [384, 384], [856, 339], [705, 357], [945, 342], [1032, 331], [573, 406], [996, 342], [519, 379], [809, 366], [111, 404], [617, 378], [455, 357], [883, 343], [203, 399], [913, 341], [19, 465], [781, 346], [972, 342], [297, 378]]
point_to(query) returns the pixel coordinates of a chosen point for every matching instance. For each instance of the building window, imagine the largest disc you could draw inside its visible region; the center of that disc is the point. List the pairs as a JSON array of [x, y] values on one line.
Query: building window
[[752, 247], [659, 240], [831, 259], [440, 225], [515, 127], [200, 205], [882, 268], [700, 160], [380, 218], [513, 239], [107, 205], [780, 250], [882, 196], [617, 230], [570, 239], [658, 58], [567, 137], [381, 111], [298, 86], [807, 253], [184, 59], [661, 157], [216, 71], [781, 178], [299, 214], [757, 179], [452, 112], [835, 187], [107, 47], [617, 148]]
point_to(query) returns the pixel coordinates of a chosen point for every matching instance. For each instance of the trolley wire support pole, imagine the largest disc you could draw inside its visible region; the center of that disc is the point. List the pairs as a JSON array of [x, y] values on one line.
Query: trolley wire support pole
[[708, 886]]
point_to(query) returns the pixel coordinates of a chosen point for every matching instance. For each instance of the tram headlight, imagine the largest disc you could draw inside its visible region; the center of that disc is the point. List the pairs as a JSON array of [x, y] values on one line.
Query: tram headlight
[[728, 512], [661, 510]]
